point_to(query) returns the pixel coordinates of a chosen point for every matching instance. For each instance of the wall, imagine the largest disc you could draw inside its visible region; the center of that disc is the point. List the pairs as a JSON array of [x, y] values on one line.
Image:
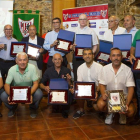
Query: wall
[[117, 7]]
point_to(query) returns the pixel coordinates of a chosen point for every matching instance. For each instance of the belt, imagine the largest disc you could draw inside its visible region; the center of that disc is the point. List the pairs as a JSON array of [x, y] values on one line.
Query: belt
[[6, 61]]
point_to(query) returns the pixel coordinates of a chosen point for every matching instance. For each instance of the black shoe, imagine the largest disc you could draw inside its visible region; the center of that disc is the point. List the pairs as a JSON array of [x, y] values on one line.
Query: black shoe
[[33, 114], [89, 104], [0, 115], [135, 122], [78, 114], [64, 114]]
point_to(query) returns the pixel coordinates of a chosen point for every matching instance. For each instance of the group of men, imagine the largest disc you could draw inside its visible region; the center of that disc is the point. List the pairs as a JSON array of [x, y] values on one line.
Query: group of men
[[27, 71]]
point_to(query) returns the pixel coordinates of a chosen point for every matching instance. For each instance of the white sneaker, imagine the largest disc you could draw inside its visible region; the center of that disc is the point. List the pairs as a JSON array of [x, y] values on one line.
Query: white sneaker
[[109, 118], [122, 119]]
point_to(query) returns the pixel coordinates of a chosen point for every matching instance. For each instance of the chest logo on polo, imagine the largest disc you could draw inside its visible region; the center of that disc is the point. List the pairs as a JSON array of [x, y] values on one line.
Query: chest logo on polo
[[24, 25]]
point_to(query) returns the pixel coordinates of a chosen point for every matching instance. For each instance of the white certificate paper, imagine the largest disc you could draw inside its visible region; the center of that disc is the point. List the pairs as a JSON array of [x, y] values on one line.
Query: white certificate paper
[[63, 45], [104, 57], [32, 51], [20, 94], [115, 98], [138, 65], [84, 90], [80, 52], [124, 53], [58, 96], [18, 48]]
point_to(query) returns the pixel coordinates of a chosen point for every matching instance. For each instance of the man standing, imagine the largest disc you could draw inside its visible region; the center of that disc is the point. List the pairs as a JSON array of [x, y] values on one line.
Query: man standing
[[51, 42], [114, 28], [129, 24], [87, 72], [56, 71], [6, 61], [22, 74], [116, 76], [137, 76], [34, 39]]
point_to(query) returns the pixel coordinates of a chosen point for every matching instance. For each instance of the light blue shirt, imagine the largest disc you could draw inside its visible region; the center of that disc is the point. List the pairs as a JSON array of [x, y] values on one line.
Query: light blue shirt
[[49, 39], [132, 31], [5, 54]]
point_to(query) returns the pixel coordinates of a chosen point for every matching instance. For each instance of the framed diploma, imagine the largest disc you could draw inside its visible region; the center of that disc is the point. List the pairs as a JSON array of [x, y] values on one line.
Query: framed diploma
[[17, 47], [136, 65], [79, 52], [116, 101], [126, 54], [103, 57], [84, 90], [58, 97], [33, 50], [63, 45], [20, 94]]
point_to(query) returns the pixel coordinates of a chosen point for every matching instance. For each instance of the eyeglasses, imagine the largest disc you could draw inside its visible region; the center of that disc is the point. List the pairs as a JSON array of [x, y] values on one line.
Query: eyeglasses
[[55, 22], [110, 21], [8, 29], [83, 19]]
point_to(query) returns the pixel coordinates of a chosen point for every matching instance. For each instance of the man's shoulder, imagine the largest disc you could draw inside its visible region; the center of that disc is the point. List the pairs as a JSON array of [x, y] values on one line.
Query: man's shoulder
[[98, 65], [126, 67], [13, 68], [31, 66], [25, 39], [40, 38], [82, 66], [107, 66]]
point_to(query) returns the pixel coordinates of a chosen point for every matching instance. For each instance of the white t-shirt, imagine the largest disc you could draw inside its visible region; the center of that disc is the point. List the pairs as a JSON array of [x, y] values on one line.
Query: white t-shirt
[[33, 41], [89, 31], [85, 74], [120, 81], [108, 36]]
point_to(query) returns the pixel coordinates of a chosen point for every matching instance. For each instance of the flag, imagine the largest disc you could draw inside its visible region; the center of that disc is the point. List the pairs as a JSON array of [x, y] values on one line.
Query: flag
[[22, 21]]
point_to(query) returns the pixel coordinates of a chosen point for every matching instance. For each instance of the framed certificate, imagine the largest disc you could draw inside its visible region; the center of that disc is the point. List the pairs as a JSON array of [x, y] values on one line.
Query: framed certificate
[[20, 94], [136, 65], [33, 50], [63, 45], [103, 57], [17, 47], [58, 97], [116, 101], [126, 54], [79, 52], [84, 90]]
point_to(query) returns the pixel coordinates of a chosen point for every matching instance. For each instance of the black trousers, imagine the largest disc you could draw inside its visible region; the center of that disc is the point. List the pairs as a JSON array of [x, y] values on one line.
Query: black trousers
[[50, 63]]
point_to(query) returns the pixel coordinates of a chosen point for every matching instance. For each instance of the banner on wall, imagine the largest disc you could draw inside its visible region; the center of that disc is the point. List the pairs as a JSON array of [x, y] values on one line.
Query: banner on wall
[[97, 16], [21, 23]]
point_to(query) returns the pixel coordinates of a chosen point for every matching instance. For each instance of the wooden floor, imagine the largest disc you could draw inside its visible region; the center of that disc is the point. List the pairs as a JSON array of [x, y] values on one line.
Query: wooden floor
[[52, 126]]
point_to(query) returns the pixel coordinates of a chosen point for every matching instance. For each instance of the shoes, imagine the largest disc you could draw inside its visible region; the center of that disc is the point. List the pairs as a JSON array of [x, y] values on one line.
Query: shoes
[[135, 122], [0, 115], [64, 114], [11, 112], [33, 114], [122, 119], [109, 118], [89, 104], [78, 114]]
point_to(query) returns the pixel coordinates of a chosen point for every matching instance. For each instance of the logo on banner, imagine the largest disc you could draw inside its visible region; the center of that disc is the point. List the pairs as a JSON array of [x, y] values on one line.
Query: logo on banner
[[103, 13], [103, 25], [66, 26], [24, 25], [65, 16], [92, 24], [74, 25], [101, 32]]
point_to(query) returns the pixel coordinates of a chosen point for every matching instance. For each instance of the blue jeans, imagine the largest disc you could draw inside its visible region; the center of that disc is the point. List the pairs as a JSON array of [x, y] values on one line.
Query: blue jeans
[[138, 94], [37, 96]]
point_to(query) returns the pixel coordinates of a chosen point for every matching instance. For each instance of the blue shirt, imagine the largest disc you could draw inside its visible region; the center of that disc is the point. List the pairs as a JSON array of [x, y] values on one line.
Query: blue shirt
[[132, 31], [6, 54], [49, 39]]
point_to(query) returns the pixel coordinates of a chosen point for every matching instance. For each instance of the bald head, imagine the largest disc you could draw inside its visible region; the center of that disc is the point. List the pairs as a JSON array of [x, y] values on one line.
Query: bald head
[[57, 60], [8, 31], [113, 22], [32, 31], [7, 26], [83, 20]]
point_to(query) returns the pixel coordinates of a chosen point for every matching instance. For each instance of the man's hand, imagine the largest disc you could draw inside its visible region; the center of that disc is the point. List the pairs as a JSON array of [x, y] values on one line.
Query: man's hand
[[105, 96], [54, 43], [47, 88], [96, 96], [1, 46], [11, 103], [68, 77], [125, 111], [71, 89], [132, 57], [72, 47], [41, 50]]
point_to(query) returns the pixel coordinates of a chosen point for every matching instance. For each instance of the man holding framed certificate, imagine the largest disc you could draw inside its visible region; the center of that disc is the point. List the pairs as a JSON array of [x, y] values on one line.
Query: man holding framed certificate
[[87, 72], [21, 75], [116, 76]]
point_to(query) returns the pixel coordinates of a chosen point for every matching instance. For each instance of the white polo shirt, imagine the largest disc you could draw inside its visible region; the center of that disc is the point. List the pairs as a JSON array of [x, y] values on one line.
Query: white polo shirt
[[89, 31], [91, 74], [120, 81], [108, 36]]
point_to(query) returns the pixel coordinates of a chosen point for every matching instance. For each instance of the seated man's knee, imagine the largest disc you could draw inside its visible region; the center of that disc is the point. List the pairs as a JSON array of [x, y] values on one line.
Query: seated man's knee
[[131, 110], [4, 97], [101, 104], [38, 94]]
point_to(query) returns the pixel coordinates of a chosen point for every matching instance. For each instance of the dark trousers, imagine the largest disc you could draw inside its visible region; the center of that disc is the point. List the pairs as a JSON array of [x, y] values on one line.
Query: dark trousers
[[76, 63], [50, 63], [5, 66]]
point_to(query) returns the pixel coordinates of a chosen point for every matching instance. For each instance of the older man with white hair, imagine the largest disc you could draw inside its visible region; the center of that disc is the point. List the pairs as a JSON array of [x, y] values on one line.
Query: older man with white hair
[[22, 74]]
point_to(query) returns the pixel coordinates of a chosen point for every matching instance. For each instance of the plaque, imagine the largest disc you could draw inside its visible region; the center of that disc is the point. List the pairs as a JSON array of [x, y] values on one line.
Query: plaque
[[103, 57], [136, 65], [33, 50], [20, 94], [17, 47], [116, 101], [84, 90]]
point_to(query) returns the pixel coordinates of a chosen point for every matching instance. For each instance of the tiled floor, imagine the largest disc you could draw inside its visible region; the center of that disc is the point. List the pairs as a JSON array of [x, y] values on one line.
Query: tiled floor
[[52, 126]]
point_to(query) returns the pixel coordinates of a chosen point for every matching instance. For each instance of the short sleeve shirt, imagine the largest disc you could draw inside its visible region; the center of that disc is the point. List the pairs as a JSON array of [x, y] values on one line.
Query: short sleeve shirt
[[136, 37]]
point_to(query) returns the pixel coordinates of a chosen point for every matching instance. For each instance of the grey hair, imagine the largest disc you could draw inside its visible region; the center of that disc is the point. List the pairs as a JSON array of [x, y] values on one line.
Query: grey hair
[[116, 18], [21, 53]]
